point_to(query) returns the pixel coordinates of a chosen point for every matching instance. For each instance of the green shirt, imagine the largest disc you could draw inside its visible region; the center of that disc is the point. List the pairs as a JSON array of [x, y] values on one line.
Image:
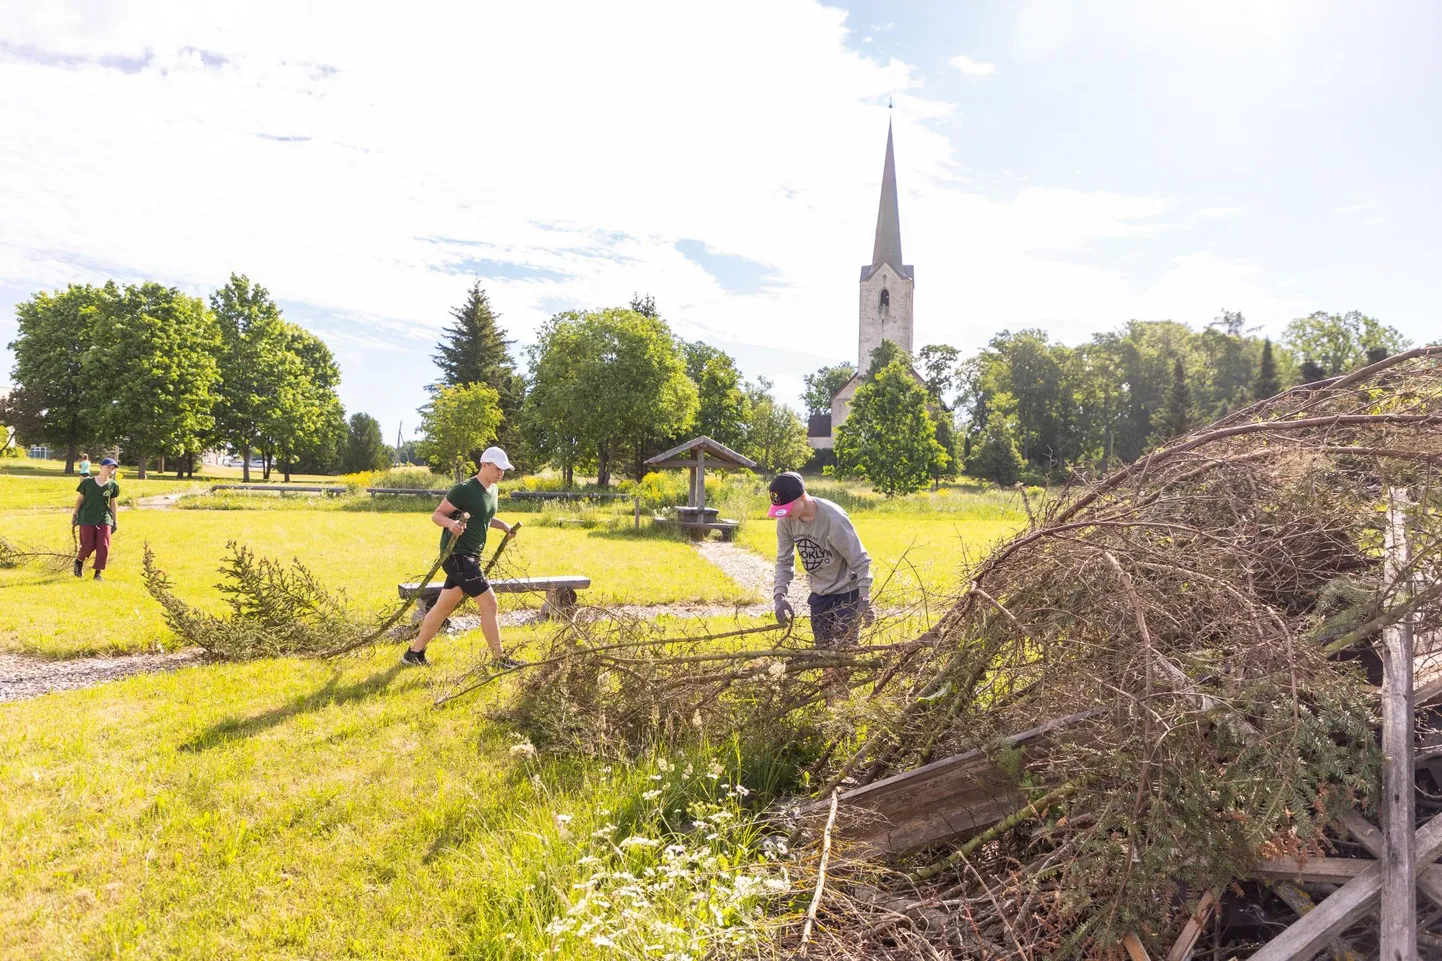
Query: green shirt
[[95, 501], [480, 503]]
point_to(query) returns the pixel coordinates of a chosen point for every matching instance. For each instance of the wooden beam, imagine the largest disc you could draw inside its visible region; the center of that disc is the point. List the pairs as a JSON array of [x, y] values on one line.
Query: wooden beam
[[700, 479], [1345, 906], [1399, 854], [1135, 951], [1312, 871], [1301, 902], [1429, 879]]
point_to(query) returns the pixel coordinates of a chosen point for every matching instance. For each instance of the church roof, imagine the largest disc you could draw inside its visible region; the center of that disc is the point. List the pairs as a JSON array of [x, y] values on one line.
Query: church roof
[[887, 249]]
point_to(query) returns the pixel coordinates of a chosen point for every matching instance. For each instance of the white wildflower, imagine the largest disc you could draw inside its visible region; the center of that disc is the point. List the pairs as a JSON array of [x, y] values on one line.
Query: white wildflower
[[636, 841], [523, 748]]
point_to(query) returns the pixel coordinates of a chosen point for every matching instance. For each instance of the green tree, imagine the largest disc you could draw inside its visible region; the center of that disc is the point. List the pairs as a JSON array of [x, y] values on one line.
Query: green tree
[[606, 384], [308, 421], [775, 434], [474, 349], [938, 367], [822, 385], [721, 403], [52, 395], [994, 454], [1310, 372], [889, 437], [457, 424], [1176, 418], [1339, 343], [365, 449], [1267, 384], [155, 372], [254, 364]]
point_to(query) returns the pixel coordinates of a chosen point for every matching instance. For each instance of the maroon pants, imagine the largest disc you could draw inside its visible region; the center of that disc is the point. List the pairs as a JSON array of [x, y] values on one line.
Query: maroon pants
[[95, 539]]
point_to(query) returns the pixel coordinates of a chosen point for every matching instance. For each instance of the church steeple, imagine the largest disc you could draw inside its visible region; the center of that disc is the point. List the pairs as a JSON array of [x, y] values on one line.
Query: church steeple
[[887, 249]]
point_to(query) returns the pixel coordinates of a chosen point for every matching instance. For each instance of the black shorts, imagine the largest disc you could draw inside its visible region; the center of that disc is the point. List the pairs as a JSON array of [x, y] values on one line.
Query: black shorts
[[835, 618], [464, 571]]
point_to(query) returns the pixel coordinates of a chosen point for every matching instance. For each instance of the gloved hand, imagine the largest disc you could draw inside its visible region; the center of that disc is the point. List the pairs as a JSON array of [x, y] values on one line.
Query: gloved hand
[[114, 527], [785, 613]]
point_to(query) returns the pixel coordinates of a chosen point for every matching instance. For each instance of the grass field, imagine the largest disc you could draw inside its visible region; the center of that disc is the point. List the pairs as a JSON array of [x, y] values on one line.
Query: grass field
[[291, 809], [54, 614]]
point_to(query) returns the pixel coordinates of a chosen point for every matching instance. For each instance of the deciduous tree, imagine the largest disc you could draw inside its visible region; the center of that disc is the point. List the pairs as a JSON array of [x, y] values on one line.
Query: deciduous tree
[[254, 364], [154, 372], [822, 385], [458, 424], [775, 434], [889, 437], [51, 397], [1339, 343]]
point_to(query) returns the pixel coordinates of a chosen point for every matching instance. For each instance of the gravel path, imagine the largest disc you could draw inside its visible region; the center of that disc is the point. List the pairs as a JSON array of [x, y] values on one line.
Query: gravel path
[[751, 571], [23, 677]]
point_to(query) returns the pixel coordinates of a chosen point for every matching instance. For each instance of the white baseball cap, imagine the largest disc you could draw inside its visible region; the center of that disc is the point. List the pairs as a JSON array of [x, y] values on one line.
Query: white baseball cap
[[494, 455]]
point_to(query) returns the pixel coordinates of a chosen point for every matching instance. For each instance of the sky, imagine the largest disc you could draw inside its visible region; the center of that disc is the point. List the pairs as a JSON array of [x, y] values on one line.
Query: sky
[[1062, 165]]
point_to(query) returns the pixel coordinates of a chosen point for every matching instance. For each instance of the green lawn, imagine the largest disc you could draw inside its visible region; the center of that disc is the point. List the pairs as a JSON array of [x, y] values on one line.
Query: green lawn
[[54, 614], [910, 549], [20, 491], [295, 809]]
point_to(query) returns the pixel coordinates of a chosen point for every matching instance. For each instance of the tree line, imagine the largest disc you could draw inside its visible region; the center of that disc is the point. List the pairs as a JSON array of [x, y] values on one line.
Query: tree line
[[162, 375], [604, 390], [1028, 408]]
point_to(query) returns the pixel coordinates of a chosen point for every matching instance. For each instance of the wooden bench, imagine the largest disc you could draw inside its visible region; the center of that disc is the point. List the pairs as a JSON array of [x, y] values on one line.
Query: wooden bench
[[560, 592], [408, 492], [278, 488], [699, 529]]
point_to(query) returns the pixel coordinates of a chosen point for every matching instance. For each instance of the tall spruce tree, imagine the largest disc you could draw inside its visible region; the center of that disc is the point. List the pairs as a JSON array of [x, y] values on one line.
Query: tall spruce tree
[[1267, 383], [474, 349], [1177, 415]]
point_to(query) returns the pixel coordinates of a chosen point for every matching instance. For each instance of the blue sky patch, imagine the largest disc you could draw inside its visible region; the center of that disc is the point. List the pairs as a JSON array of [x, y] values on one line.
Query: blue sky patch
[[735, 274]]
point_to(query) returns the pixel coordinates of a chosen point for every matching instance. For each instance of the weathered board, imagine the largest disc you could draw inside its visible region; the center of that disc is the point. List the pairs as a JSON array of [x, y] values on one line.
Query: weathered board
[[945, 800]]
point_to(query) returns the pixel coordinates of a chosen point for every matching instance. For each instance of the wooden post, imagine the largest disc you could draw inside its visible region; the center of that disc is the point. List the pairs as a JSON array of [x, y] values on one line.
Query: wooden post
[[637, 501], [700, 477], [1399, 854]]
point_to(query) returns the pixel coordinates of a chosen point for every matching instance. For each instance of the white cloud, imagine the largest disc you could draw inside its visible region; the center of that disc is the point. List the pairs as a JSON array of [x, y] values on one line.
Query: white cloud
[[363, 172], [1218, 212], [1041, 27], [972, 68], [1355, 208]]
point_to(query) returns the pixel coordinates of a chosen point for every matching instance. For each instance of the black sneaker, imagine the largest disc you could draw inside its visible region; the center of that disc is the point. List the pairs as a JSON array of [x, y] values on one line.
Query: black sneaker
[[414, 659], [98, 577], [509, 663], [79, 568]]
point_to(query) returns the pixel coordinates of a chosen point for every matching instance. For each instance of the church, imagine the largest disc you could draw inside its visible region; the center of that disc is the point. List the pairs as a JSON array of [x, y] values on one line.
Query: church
[[887, 285]]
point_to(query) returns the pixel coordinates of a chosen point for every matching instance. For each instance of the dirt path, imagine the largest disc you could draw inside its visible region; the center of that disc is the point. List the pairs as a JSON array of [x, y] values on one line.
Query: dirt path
[[23, 677], [751, 571]]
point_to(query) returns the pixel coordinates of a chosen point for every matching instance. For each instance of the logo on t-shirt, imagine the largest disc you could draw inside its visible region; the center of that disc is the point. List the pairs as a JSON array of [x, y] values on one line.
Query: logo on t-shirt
[[813, 554]]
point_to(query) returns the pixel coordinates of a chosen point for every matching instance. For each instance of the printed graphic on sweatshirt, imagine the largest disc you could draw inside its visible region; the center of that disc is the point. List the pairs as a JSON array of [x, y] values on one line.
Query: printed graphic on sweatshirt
[[813, 554]]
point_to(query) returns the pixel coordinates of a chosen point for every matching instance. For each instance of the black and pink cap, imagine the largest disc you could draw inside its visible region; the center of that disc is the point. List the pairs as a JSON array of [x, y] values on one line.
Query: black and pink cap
[[786, 490]]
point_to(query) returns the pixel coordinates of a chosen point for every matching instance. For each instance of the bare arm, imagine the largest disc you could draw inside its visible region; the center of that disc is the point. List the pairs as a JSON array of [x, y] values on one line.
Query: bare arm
[[114, 512], [499, 525], [441, 517]]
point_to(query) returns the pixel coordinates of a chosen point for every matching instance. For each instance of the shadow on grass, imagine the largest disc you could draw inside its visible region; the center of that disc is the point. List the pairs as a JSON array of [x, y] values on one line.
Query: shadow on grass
[[236, 728]]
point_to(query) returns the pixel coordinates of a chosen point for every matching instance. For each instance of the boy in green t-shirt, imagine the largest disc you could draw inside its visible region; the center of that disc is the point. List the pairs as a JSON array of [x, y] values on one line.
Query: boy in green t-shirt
[[464, 578], [95, 515]]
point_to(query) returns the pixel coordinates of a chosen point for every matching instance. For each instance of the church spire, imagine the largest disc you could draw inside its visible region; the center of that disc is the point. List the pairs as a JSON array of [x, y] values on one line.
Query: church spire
[[887, 249]]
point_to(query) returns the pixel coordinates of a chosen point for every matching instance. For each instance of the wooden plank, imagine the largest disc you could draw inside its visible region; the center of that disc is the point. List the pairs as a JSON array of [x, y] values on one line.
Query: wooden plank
[[1429, 879], [1135, 950], [1301, 902], [945, 800], [1345, 906], [1312, 871], [1192, 930], [1399, 855]]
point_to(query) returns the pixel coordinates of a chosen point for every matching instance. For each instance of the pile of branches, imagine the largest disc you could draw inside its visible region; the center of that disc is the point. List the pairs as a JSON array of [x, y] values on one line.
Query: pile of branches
[[14, 554], [1205, 612], [1207, 609]]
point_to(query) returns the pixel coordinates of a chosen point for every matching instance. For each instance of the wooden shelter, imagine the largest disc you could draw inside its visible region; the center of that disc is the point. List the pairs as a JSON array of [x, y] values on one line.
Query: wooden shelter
[[695, 455]]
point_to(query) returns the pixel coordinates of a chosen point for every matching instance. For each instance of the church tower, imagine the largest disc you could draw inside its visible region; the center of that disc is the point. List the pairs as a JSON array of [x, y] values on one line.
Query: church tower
[[887, 284]]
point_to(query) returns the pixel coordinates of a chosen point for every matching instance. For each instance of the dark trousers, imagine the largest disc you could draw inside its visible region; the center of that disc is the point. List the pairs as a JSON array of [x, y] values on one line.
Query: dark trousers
[[95, 539], [835, 618]]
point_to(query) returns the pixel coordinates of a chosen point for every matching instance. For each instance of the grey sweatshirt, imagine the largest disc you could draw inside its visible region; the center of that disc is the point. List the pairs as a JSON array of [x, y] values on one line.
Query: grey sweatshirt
[[830, 551]]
